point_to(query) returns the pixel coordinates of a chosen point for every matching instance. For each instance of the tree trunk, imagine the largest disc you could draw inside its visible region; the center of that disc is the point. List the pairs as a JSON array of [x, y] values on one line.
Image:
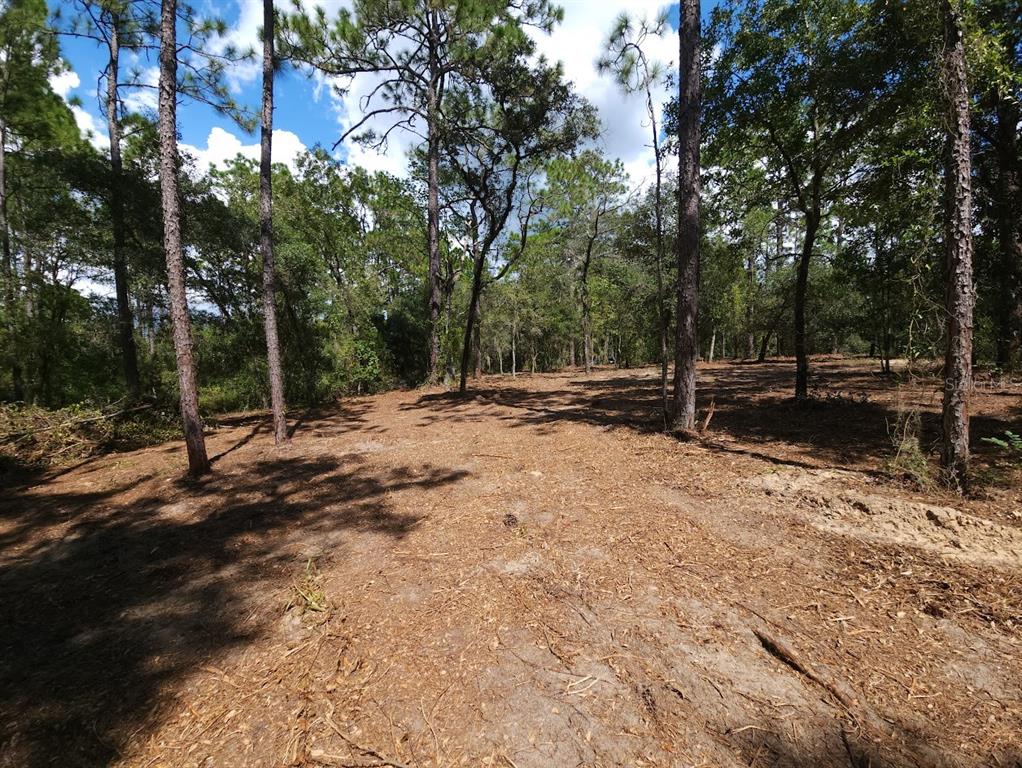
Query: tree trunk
[[713, 344], [750, 277], [10, 272], [514, 343], [273, 356], [1009, 235], [477, 343], [125, 323], [661, 300], [764, 346], [686, 349], [587, 328], [470, 322], [960, 296], [433, 202], [198, 462], [801, 290]]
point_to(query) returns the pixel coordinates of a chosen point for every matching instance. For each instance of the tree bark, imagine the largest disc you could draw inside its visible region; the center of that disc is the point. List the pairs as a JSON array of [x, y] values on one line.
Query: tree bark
[[1009, 235], [812, 218], [514, 342], [587, 324], [686, 349], [477, 340], [473, 309], [198, 461], [10, 272], [433, 202], [273, 356], [658, 212], [125, 322], [764, 346], [960, 296], [587, 331]]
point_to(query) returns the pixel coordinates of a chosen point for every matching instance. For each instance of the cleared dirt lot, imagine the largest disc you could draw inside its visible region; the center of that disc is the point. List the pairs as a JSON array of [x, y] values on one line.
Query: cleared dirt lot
[[530, 576]]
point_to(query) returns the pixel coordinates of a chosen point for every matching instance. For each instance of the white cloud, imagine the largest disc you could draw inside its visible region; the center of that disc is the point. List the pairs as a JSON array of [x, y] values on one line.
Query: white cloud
[[223, 146], [64, 82], [91, 128], [373, 161], [578, 43]]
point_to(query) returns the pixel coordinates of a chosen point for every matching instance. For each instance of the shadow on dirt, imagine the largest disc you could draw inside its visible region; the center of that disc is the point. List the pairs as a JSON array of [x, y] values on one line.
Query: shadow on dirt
[[842, 426], [105, 603]]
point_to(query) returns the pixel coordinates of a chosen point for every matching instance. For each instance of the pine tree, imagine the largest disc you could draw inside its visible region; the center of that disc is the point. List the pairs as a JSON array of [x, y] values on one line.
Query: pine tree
[[273, 357], [686, 350], [961, 293], [198, 461]]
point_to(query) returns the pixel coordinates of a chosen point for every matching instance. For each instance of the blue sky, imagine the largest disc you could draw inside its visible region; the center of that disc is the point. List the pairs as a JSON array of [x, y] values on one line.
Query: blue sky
[[309, 112]]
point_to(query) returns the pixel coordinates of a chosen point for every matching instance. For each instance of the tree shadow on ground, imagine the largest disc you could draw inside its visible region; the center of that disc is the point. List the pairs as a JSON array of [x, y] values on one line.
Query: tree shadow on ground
[[844, 425], [107, 601]]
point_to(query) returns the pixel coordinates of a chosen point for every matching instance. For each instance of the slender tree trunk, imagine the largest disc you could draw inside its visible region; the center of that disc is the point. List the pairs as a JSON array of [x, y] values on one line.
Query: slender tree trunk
[[750, 276], [125, 323], [764, 346], [473, 310], [514, 342], [10, 272], [658, 215], [713, 344], [433, 202], [779, 223], [1009, 235], [801, 292], [961, 296], [686, 348], [198, 461], [477, 341], [273, 356], [587, 326]]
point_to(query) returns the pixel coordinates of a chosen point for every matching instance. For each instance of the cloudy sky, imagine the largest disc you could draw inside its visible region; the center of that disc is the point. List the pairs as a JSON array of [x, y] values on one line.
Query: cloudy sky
[[309, 112]]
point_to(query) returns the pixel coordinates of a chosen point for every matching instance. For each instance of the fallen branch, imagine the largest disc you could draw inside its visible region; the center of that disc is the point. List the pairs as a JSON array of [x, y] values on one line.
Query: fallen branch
[[19, 436], [783, 652]]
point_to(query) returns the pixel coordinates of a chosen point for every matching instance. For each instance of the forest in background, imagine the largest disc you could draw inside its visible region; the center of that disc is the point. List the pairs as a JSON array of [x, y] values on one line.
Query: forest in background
[[514, 244]]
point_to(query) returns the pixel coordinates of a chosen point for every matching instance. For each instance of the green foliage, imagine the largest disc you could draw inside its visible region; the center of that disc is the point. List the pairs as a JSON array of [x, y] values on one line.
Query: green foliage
[[1009, 442]]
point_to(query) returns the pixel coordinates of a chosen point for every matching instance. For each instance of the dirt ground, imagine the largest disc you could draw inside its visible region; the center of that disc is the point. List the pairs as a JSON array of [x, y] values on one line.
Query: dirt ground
[[531, 576]]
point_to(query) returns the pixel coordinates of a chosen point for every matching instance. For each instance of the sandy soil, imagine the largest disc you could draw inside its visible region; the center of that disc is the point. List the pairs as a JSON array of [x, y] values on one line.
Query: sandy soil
[[532, 576]]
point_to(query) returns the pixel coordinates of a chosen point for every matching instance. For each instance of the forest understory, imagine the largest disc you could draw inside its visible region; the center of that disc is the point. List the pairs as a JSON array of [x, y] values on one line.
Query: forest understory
[[532, 575]]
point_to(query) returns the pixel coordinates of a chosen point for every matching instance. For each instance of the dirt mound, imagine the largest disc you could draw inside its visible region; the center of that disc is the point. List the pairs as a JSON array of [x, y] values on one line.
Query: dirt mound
[[822, 496]]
